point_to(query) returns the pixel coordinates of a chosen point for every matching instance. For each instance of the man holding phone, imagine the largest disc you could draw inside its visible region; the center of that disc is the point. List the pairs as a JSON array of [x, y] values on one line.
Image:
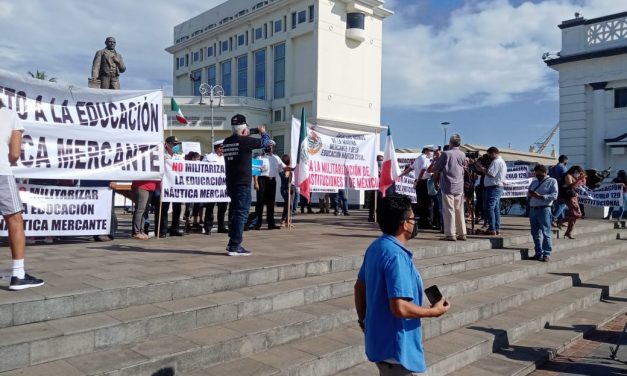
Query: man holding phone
[[388, 294]]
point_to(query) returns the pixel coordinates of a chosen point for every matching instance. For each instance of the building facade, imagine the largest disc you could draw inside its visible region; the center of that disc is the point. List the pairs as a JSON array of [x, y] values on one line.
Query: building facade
[[592, 68], [274, 57]]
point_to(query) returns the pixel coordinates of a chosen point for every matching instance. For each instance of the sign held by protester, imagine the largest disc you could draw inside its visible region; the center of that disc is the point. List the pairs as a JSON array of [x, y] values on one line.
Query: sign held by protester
[[405, 184], [338, 160], [610, 195], [64, 211], [517, 181], [80, 133], [194, 181]]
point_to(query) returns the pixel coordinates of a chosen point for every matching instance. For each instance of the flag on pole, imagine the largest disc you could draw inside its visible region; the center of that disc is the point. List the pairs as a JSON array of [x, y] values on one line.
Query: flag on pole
[[179, 114], [389, 168], [301, 172]]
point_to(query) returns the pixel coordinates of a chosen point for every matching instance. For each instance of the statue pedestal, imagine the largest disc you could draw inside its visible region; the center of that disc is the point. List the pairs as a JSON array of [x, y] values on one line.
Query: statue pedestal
[[93, 83]]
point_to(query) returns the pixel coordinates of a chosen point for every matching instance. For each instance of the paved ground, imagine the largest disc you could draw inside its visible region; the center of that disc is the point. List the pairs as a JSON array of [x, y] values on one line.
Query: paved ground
[[81, 263], [591, 355]]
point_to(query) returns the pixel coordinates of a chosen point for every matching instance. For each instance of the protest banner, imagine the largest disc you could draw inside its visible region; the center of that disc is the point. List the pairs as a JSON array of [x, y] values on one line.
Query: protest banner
[[80, 133], [194, 181], [405, 184], [517, 181], [189, 146], [64, 211], [338, 160], [610, 195]]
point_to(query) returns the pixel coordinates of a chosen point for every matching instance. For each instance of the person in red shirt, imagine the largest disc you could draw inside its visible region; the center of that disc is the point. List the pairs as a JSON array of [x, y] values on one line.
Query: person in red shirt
[[143, 191]]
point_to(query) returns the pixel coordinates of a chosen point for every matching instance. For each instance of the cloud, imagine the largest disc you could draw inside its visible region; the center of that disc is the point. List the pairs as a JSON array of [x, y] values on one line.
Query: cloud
[[61, 37], [487, 54]]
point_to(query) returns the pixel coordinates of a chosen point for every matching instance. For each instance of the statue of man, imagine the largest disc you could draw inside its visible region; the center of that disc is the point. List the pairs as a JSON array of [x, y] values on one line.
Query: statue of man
[[107, 66]]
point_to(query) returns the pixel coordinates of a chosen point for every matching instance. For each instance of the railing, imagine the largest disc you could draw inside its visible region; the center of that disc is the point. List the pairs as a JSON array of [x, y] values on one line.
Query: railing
[[606, 32]]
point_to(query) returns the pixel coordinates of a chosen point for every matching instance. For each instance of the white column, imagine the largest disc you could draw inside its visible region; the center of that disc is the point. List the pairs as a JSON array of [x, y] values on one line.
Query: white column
[[596, 156]]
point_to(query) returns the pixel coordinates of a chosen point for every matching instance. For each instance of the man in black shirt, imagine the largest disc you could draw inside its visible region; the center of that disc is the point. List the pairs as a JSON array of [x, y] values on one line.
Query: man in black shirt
[[238, 149]]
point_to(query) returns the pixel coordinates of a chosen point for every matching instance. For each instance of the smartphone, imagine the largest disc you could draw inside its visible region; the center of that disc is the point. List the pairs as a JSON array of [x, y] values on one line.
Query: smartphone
[[433, 294]]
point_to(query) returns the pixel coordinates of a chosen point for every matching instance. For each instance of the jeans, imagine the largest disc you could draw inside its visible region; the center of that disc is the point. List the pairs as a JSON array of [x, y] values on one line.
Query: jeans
[[296, 198], [339, 201], [540, 220], [494, 194], [558, 210], [284, 195], [240, 206]]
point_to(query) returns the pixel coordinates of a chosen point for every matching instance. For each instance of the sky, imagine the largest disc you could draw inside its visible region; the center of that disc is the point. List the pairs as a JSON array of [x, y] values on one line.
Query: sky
[[473, 63]]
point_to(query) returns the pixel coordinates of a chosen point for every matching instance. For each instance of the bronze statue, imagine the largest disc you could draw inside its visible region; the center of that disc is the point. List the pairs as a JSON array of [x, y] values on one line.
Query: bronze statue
[[107, 67]]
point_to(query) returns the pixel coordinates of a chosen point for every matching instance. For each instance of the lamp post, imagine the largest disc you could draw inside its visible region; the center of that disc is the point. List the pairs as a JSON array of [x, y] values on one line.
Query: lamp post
[[213, 91], [445, 125]]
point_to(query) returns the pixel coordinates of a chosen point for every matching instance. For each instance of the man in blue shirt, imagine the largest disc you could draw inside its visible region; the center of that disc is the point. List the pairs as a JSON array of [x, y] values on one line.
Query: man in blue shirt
[[542, 193], [388, 294]]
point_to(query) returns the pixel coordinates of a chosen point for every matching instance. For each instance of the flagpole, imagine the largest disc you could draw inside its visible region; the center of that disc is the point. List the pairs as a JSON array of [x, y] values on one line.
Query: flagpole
[[289, 201]]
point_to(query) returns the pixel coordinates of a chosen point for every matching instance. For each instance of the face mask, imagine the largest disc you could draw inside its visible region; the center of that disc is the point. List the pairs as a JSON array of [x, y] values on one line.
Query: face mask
[[576, 174], [176, 149], [414, 231], [539, 177]]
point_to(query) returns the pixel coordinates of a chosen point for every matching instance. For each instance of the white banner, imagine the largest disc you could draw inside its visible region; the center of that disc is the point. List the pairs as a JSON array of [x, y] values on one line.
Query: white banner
[[610, 195], [81, 133], [194, 181], [338, 160], [517, 182], [64, 211], [405, 184]]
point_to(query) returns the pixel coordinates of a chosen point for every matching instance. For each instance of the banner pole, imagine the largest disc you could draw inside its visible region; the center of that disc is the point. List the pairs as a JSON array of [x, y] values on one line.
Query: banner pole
[[158, 225], [289, 202], [376, 198]]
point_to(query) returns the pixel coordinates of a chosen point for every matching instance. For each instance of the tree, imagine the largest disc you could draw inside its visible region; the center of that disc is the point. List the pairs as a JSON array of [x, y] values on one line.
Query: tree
[[42, 76]]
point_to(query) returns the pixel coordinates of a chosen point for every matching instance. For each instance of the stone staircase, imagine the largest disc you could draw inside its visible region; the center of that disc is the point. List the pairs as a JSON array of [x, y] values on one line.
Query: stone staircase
[[508, 314]]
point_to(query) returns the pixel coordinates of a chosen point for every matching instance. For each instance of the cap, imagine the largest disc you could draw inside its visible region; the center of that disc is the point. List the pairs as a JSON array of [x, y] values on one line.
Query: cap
[[238, 120], [218, 143], [172, 140], [428, 147], [380, 154]]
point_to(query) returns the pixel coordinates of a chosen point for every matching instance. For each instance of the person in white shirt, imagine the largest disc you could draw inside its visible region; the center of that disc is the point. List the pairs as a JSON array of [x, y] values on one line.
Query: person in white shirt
[[216, 157], [173, 150], [424, 201], [11, 129], [265, 185], [494, 181]]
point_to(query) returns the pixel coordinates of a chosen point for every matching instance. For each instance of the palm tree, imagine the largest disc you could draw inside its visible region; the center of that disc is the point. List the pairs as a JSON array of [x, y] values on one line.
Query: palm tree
[[42, 76]]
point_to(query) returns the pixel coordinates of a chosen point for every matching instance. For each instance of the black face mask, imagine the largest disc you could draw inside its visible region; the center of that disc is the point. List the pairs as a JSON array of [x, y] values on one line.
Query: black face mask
[[414, 232]]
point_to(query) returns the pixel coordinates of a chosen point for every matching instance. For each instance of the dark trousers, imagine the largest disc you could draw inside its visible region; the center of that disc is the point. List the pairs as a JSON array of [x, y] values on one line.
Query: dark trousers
[[265, 196], [240, 205], [372, 196], [423, 205], [176, 217], [208, 223]]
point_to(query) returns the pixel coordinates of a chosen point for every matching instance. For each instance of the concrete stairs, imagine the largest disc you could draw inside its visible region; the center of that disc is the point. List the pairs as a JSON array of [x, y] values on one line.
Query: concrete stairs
[[298, 319]]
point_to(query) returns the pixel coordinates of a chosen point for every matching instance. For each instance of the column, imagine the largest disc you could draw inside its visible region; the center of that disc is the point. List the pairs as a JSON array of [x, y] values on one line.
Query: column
[[596, 158]]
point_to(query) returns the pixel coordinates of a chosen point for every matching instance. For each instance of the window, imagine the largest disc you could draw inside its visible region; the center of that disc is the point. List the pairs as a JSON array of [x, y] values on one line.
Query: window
[[241, 40], [302, 17], [196, 81], [293, 20], [210, 51], [620, 97], [211, 75], [279, 147], [260, 74], [242, 76], [187, 60], [226, 77], [225, 46], [278, 116], [230, 44], [258, 33], [196, 57], [279, 71], [311, 13], [180, 62], [278, 26], [355, 21]]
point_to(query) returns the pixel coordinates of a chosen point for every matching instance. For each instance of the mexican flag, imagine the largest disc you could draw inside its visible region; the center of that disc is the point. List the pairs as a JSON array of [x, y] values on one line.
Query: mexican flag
[[179, 114], [301, 171], [389, 168]]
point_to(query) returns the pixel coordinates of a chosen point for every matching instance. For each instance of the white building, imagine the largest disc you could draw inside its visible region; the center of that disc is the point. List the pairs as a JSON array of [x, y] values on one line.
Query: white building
[[592, 68], [274, 57]]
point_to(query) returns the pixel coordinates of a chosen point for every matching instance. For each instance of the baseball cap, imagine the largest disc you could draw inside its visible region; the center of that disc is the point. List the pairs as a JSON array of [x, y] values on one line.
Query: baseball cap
[[238, 120], [172, 140]]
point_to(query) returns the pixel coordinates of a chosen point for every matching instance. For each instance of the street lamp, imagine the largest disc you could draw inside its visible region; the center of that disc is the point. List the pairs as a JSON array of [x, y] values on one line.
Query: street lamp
[[213, 91], [445, 125]]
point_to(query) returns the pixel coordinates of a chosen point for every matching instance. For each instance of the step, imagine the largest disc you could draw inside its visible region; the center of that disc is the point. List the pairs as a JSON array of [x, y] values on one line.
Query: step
[[101, 331], [452, 352], [524, 356]]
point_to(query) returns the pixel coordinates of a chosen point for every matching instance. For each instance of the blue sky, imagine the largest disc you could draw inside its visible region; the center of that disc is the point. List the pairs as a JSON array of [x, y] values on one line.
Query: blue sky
[[473, 63]]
